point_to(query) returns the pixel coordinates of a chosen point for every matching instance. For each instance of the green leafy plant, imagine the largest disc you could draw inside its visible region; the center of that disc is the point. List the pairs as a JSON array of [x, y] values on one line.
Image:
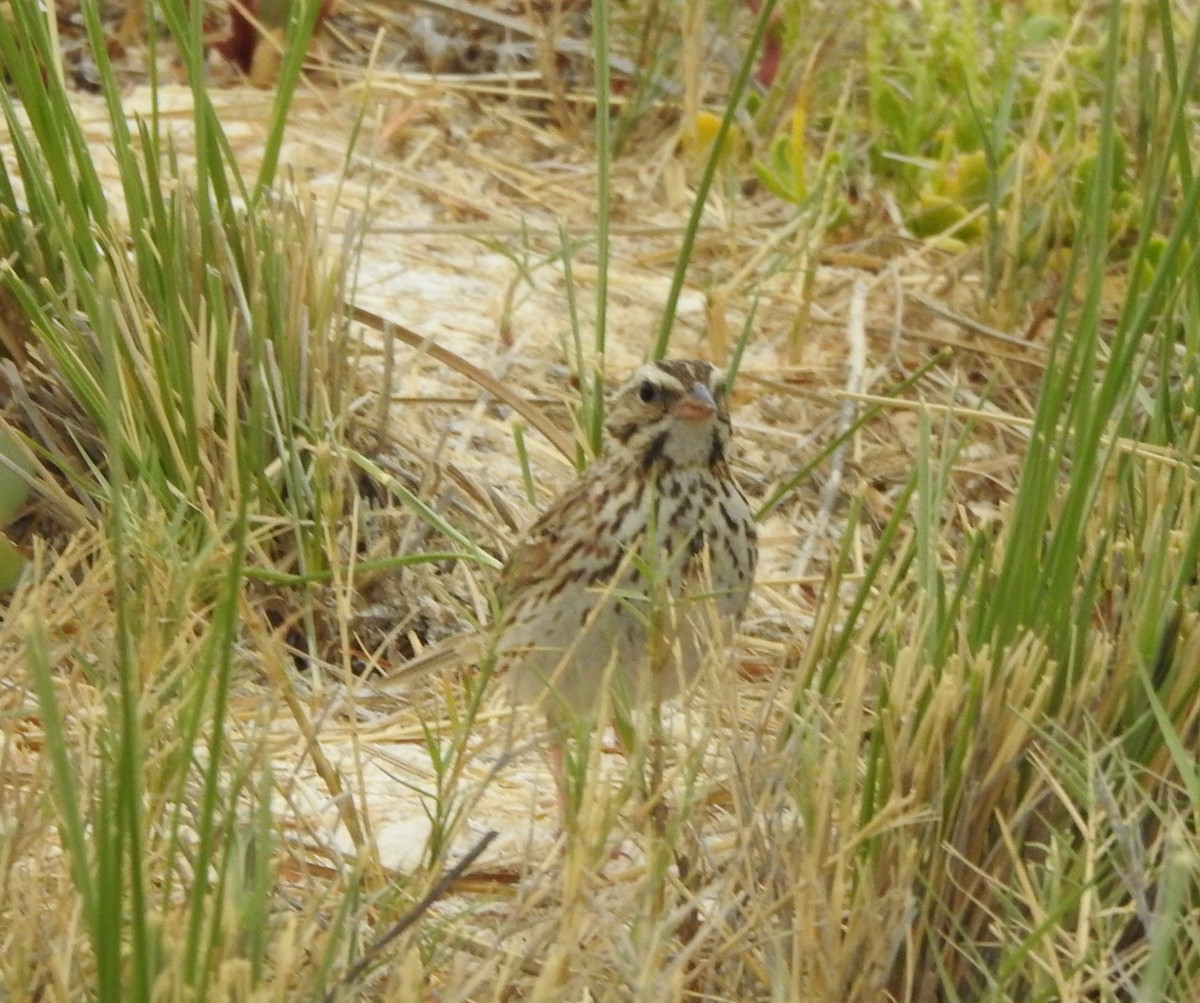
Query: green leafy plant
[[14, 492], [784, 172]]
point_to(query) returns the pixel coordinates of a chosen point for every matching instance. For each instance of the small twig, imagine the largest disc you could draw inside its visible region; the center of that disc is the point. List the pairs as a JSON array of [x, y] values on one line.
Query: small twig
[[977, 327], [856, 364], [410, 918]]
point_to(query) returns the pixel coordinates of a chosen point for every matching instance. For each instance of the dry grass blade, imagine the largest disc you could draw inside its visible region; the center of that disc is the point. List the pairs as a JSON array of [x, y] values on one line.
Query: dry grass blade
[[484, 380], [466, 649]]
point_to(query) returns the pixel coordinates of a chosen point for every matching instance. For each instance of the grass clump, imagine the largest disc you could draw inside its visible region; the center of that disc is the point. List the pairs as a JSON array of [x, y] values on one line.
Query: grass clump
[[180, 391]]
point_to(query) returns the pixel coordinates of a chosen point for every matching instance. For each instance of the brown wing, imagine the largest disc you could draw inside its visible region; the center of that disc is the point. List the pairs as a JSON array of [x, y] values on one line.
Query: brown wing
[[521, 569], [538, 549]]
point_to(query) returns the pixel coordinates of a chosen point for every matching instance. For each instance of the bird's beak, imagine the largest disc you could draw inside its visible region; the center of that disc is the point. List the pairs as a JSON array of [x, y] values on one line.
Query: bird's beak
[[697, 405]]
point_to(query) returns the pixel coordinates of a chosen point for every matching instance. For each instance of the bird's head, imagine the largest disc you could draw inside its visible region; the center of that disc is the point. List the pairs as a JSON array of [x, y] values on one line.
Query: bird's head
[[672, 412]]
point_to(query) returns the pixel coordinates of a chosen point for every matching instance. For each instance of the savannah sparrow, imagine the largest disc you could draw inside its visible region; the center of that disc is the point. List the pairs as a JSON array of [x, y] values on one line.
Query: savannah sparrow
[[643, 565]]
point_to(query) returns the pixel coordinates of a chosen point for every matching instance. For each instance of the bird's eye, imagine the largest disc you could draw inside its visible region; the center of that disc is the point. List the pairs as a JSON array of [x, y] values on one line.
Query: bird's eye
[[647, 392]]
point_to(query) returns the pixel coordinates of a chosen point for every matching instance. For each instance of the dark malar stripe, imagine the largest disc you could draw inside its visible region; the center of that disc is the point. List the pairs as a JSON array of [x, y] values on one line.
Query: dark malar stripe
[[654, 452], [716, 452]]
